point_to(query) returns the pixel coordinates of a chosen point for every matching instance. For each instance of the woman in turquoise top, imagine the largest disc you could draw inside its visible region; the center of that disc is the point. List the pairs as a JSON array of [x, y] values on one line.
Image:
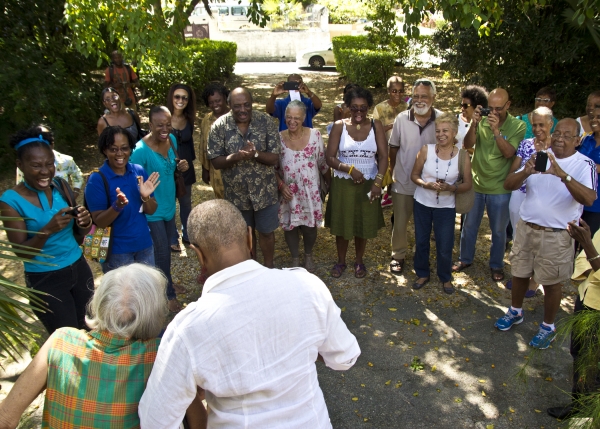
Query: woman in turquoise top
[[545, 97], [68, 281], [155, 154]]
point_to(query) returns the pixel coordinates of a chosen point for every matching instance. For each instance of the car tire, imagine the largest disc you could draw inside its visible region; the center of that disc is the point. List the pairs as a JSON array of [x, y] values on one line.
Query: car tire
[[316, 62]]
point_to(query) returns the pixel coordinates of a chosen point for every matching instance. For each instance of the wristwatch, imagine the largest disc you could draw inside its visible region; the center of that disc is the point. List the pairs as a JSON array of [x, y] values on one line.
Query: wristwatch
[[256, 154], [567, 179]]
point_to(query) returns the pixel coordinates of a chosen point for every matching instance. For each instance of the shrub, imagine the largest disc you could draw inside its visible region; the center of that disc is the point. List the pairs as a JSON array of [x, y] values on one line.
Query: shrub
[[208, 60], [365, 67], [526, 53], [362, 62]]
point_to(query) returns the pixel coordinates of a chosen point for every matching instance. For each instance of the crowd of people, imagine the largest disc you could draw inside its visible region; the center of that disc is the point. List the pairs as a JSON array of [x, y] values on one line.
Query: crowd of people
[[536, 177]]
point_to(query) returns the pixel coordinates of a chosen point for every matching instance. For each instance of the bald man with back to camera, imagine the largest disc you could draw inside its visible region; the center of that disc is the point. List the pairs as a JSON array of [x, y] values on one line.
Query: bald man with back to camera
[[250, 341]]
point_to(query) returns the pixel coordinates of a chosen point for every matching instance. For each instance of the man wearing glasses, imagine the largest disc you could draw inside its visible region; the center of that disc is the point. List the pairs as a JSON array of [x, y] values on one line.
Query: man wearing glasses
[[412, 129], [495, 134], [557, 190]]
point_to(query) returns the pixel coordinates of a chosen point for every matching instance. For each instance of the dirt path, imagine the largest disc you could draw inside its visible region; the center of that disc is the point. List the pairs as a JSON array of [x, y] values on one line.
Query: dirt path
[[429, 360]]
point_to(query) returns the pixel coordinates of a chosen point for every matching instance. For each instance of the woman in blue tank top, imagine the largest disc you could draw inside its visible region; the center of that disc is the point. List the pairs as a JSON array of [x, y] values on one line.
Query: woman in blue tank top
[[47, 225]]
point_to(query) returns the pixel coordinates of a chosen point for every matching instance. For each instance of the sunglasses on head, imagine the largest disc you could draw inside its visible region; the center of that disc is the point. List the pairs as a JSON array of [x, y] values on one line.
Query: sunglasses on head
[[361, 109], [425, 82], [180, 97]]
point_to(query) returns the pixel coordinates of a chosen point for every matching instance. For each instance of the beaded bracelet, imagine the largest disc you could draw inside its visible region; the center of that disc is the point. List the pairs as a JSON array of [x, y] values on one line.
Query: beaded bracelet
[[116, 207]]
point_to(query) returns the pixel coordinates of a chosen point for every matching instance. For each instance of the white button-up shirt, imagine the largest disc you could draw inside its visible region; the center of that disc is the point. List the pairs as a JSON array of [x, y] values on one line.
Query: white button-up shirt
[[251, 341]]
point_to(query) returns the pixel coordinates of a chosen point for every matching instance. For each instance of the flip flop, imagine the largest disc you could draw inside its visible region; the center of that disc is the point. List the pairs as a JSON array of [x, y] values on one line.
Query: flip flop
[[459, 266], [337, 270], [360, 271], [396, 266]]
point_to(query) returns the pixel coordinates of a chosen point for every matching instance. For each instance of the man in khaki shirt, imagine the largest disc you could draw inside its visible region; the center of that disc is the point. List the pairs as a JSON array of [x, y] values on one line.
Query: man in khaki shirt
[[587, 262]]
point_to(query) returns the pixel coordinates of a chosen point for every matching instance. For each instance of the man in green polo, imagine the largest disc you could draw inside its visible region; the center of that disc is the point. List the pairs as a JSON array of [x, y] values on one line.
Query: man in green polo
[[495, 138]]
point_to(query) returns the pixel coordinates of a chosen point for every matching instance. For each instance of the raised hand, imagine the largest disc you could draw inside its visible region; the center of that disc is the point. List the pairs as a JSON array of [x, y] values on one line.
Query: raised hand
[[278, 89], [149, 185]]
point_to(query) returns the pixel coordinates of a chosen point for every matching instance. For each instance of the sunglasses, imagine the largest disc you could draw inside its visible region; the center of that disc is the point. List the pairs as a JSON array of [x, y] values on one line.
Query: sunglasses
[[542, 100], [397, 91], [180, 97], [116, 150], [361, 109], [465, 105], [114, 97]]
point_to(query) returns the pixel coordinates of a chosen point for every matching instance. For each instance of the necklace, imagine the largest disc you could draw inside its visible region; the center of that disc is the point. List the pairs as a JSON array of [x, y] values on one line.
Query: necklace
[[358, 126], [301, 135], [438, 180]]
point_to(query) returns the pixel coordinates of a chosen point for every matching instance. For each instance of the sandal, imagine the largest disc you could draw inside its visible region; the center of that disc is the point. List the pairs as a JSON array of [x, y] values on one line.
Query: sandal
[[497, 274], [175, 248], [449, 290], [360, 271], [338, 270], [459, 266], [416, 285], [396, 266]]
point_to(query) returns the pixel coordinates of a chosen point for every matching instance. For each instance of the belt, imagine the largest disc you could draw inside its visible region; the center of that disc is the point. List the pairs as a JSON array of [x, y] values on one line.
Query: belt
[[543, 228]]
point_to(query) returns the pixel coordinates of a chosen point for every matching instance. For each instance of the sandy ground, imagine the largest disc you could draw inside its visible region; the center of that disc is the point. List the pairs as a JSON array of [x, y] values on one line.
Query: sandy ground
[[428, 360]]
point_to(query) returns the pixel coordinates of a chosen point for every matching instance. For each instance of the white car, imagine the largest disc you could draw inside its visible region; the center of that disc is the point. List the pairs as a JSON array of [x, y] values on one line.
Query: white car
[[316, 58]]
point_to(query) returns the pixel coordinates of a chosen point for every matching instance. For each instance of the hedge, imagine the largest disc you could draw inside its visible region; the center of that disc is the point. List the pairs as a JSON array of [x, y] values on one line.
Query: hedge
[[208, 60], [362, 63]]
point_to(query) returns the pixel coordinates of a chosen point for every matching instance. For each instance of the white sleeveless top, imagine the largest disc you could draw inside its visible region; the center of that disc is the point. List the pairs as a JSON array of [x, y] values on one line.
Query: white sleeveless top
[[449, 172], [359, 154]]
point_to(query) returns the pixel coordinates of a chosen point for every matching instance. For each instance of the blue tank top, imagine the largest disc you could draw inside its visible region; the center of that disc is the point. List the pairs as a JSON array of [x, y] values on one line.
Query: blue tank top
[[61, 245]]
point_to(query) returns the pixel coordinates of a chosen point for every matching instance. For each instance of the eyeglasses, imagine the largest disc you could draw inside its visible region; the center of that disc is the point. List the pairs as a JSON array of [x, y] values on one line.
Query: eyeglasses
[[396, 91], [114, 97], [542, 100], [361, 109], [558, 136], [180, 97], [465, 105], [498, 109], [115, 150]]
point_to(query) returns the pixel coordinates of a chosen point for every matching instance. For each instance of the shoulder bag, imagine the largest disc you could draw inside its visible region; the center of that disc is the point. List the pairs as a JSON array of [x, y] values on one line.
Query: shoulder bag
[[98, 242], [463, 201], [179, 182]]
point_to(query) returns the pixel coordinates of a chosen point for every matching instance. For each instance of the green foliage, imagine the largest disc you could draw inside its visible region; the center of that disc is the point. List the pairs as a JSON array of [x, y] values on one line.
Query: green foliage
[[283, 14], [362, 62], [343, 11], [42, 79], [16, 333], [206, 61], [546, 54], [383, 30]]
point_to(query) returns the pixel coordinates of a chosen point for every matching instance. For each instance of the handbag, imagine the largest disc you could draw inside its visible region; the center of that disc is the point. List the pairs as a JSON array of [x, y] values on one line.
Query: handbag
[[463, 201], [178, 175], [98, 241], [387, 179], [141, 132], [64, 189]]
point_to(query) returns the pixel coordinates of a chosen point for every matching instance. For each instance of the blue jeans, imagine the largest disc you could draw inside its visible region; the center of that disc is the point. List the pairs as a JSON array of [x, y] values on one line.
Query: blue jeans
[[498, 214], [185, 208], [443, 220], [162, 234], [144, 256]]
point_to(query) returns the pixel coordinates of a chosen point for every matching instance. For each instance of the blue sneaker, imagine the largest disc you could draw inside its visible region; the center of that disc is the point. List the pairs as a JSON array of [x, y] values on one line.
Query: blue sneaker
[[510, 318], [544, 337]]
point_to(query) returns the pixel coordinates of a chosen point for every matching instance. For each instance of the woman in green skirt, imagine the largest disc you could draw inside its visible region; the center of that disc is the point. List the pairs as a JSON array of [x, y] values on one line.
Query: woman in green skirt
[[357, 151]]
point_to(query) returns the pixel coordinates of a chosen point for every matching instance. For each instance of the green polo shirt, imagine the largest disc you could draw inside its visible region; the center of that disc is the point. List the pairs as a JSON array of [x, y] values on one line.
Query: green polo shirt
[[489, 166]]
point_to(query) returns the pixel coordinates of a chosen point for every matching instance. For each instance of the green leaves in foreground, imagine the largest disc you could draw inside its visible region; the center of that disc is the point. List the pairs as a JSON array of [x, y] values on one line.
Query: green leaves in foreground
[[16, 305]]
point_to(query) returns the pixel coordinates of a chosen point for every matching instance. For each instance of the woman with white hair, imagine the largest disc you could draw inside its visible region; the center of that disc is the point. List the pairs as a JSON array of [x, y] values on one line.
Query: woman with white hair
[[96, 378]]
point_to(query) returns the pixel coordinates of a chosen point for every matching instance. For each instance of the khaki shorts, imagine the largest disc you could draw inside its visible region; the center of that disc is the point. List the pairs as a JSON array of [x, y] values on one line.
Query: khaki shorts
[[545, 255]]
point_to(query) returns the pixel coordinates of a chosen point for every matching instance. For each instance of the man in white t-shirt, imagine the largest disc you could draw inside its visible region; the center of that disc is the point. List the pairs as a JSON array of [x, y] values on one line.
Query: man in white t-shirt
[[542, 247], [250, 341]]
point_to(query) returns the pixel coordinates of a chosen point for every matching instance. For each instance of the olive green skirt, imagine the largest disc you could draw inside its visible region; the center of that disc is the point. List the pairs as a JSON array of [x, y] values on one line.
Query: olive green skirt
[[349, 213]]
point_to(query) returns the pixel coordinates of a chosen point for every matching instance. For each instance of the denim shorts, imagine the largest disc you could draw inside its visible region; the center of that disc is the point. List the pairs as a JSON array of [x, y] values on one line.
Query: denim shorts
[[265, 220]]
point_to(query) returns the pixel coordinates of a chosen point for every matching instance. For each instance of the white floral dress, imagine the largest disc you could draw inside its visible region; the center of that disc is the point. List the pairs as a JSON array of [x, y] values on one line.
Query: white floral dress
[[300, 171]]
